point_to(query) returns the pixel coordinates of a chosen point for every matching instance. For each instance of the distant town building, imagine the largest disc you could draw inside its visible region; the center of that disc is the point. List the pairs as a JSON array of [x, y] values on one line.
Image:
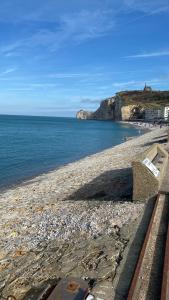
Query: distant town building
[[166, 113], [147, 88], [157, 113], [153, 114]]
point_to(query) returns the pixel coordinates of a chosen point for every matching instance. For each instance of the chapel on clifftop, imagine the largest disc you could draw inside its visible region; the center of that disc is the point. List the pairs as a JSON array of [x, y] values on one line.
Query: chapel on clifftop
[[147, 88]]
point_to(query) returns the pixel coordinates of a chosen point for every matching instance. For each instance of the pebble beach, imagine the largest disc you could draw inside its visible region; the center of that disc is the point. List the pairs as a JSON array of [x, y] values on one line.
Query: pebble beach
[[73, 221]]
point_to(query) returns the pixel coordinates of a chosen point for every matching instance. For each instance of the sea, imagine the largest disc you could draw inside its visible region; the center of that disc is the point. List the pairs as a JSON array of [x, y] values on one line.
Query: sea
[[32, 145]]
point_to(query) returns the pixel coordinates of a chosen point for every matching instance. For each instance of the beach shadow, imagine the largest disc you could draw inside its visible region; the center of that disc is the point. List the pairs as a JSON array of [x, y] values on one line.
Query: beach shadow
[[159, 141], [162, 137], [130, 262], [46, 287], [111, 185]]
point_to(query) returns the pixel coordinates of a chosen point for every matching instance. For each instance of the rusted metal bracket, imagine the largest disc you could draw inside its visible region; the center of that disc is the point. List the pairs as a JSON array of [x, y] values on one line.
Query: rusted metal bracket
[[67, 289]]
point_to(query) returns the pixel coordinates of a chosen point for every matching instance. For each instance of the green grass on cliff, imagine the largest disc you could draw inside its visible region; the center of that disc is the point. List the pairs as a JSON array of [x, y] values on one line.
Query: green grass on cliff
[[152, 99]]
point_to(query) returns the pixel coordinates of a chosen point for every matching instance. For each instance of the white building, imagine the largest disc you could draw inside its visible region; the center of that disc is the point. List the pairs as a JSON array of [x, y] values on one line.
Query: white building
[[157, 113], [166, 113], [153, 114]]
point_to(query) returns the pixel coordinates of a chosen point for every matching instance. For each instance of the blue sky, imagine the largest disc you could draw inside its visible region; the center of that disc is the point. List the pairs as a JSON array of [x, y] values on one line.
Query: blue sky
[[60, 56]]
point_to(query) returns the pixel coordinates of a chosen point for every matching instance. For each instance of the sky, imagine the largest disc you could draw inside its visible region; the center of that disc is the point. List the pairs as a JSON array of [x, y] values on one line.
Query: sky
[[60, 56]]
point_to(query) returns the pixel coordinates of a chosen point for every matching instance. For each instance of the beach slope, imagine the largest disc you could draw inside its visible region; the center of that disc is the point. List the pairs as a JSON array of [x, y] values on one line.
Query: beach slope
[[76, 220]]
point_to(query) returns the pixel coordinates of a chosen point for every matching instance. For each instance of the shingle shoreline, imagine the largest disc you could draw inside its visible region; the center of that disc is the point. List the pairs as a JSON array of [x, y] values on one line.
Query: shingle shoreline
[[79, 210]]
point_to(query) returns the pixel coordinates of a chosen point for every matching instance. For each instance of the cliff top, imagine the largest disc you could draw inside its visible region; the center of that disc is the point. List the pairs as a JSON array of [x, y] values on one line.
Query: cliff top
[[145, 98]]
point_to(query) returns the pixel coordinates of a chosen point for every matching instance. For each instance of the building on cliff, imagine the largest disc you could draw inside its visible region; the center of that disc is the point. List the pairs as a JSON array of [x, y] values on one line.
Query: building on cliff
[[147, 88]]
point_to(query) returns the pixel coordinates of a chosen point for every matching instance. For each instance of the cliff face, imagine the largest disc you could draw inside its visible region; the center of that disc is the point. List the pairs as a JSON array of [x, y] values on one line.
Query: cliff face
[[104, 112], [127, 105], [110, 109], [84, 115]]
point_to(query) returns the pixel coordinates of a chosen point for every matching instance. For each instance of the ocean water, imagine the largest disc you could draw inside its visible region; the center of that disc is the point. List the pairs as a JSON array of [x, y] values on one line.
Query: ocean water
[[33, 145]]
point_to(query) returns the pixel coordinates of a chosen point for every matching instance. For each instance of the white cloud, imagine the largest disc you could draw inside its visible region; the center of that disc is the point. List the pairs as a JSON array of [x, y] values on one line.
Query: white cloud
[[126, 83], [8, 71], [148, 6], [72, 28], [11, 46], [86, 76], [66, 75], [70, 24], [149, 54], [11, 70], [90, 101], [17, 11], [45, 85], [11, 54]]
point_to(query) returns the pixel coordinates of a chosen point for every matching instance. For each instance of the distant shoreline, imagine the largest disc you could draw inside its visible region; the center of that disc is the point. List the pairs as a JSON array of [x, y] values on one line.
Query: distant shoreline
[[101, 137], [146, 126]]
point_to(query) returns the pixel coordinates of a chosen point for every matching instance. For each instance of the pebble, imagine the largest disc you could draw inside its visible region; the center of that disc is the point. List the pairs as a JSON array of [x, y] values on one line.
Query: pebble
[[90, 297], [84, 204]]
